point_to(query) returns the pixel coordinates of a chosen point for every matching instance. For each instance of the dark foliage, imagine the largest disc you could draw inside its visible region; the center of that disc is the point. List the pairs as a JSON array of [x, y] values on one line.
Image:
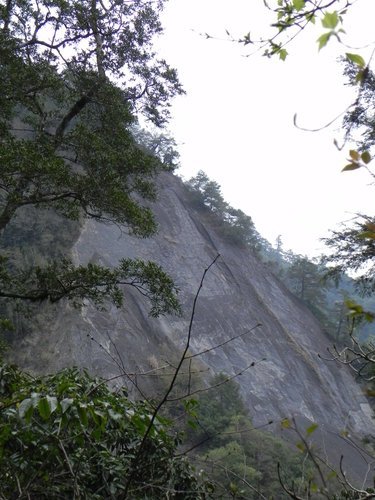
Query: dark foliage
[[68, 436], [73, 77]]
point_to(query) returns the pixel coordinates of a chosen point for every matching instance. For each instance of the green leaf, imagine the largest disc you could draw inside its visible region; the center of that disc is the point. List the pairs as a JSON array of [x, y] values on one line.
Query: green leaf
[[356, 59], [366, 157], [44, 408], [369, 317], [310, 17], [350, 304], [301, 446], [82, 412], [285, 423], [233, 488], [282, 54], [139, 423], [311, 429], [298, 4], [351, 166], [314, 488], [354, 154], [366, 234], [97, 433], [192, 424], [191, 406], [332, 474], [323, 39], [330, 20], [354, 309]]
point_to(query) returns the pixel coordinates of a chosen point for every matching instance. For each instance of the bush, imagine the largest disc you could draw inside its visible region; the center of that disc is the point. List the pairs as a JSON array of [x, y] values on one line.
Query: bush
[[68, 436]]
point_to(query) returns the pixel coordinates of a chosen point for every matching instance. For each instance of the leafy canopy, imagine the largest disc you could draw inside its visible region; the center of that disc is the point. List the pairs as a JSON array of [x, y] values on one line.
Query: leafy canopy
[[233, 224], [68, 436], [238, 458], [73, 77]]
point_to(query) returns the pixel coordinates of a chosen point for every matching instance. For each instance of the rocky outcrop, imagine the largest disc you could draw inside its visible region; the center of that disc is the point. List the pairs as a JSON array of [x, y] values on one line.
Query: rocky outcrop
[[287, 377]]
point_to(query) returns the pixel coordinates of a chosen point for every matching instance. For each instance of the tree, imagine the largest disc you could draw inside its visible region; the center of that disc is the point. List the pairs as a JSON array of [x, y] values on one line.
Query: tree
[[241, 227], [208, 193], [233, 224], [228, 464], [239, 459], [74, 110], [353, 245], [216, 409], [305, 281], [358, 122], [73, 77], [68, 436], [160, 145]]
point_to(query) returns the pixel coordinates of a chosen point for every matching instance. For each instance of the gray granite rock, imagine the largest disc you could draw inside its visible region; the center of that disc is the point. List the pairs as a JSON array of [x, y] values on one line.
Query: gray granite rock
[[239, 292]]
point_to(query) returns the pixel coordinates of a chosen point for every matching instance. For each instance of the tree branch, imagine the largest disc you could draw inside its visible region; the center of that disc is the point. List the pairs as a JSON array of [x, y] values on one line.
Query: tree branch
[[72, 113], [169, 390]]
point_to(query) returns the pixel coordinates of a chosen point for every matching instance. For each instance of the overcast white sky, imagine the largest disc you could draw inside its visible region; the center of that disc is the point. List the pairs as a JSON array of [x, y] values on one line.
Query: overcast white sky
[[236, 121]]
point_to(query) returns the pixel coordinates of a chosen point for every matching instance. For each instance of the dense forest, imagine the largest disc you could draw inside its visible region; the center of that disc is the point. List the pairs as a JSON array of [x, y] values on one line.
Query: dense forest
[[75, 77]]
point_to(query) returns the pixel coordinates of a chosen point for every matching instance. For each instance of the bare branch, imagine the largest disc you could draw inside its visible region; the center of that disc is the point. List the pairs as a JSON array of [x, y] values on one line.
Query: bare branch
[[229, 433], [224, 343], [122, 369], [237, 374], [170, 388], [72, 113], [234, 474], [282, 484], [364, 494]]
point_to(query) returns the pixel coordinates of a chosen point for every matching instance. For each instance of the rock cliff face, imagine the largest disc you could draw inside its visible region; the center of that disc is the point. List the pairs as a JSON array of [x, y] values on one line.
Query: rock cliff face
[[239, 292]]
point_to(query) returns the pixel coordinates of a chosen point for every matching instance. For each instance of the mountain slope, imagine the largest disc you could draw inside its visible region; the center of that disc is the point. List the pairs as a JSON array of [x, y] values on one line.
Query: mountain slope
[[239, 292]]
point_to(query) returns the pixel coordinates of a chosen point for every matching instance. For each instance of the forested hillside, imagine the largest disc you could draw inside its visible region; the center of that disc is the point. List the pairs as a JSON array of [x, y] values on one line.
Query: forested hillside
[[328, 294]]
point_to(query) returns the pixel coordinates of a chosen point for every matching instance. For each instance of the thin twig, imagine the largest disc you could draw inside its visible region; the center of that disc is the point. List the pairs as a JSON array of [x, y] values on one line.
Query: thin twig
[[231, 472], [289, 492], [224, 343], [123, 373], [353, 488], [133, 466], [208, 438], [237, 374]]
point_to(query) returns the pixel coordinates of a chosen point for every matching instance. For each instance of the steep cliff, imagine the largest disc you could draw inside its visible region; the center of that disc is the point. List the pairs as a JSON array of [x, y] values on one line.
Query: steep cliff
[[287, 379]]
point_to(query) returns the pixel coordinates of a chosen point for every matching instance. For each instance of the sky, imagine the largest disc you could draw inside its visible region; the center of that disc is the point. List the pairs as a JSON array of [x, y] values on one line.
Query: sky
[[236, 120]]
